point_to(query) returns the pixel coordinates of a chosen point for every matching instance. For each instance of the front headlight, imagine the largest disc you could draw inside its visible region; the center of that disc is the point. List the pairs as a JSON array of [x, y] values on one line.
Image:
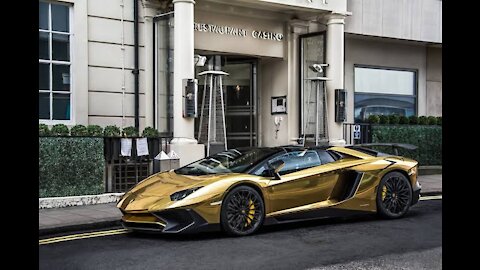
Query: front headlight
[[183, 193]]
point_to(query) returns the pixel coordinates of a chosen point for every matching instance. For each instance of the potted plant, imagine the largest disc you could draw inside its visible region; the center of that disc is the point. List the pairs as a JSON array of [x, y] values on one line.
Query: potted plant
[[403, 120], [383, 119], [59, 130], [413, 120], [78, 131], [130, 132], [432, 120], [43, 130], [153, 139], [422, 120], [373, 119], [94, 131], [393, 119]]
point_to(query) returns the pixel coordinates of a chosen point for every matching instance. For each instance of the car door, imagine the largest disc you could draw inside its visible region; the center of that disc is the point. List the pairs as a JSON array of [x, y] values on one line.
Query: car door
[[304, 180]]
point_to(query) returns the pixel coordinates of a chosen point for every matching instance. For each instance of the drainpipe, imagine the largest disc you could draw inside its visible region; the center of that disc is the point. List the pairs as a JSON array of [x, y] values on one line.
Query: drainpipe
[[136, 71]]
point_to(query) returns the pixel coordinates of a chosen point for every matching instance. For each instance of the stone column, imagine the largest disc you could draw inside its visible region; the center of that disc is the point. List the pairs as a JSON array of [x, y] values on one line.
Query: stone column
[[296, 28], [335, 72], [183, 142]]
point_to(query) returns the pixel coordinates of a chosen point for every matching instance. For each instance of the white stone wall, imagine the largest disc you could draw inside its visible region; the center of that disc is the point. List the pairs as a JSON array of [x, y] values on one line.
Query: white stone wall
[[108, 103], [404, 19], [385, 53], [434, 81]]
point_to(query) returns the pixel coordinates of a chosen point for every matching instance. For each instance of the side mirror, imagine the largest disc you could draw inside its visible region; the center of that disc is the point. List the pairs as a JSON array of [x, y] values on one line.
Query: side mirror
[[276, 166]]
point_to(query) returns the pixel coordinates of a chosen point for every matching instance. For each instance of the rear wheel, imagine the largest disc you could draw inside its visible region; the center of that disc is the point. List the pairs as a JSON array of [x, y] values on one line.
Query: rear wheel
[[242, 211], [394, 195]]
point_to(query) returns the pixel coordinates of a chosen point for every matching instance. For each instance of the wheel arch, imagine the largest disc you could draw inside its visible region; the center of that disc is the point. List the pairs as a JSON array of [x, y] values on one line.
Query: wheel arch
[[404, 173], [248, 184], [252, 185]]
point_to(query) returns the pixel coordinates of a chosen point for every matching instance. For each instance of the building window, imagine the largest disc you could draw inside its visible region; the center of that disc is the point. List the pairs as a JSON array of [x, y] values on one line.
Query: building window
[[55, 92], [312, 51], [382, 91]]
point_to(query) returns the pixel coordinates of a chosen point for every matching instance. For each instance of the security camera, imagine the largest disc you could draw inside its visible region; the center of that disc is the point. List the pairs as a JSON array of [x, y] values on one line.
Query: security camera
[[318, 67], [200, 60]]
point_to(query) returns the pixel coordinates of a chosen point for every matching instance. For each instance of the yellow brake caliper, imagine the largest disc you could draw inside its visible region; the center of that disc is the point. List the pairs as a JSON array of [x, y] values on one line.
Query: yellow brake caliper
[[251, 211], [384, 193]]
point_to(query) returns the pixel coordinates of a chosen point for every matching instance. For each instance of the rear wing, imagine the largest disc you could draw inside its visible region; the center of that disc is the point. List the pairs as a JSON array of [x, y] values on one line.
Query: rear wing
[[395, 146]]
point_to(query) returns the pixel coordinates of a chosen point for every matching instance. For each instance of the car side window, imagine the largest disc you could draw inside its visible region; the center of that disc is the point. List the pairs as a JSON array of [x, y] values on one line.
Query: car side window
[[297, 160], [325, 157]]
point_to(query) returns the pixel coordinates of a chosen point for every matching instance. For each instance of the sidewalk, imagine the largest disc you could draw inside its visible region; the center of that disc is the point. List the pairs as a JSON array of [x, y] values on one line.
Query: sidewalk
[[75, 218]]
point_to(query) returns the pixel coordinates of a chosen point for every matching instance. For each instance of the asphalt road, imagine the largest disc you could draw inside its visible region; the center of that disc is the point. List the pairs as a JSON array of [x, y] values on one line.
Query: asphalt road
[[413, 242]]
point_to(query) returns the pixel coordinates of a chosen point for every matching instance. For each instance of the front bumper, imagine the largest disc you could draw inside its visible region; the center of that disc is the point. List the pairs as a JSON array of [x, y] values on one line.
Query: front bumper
[[167, 221]]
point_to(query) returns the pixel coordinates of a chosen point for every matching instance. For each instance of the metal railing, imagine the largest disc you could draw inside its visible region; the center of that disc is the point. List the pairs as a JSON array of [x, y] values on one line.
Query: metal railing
[[355, 133], [123, 172]]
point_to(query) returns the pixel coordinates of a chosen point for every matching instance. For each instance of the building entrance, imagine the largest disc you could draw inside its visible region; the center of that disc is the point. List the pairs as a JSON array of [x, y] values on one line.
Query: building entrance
[[239, 92]]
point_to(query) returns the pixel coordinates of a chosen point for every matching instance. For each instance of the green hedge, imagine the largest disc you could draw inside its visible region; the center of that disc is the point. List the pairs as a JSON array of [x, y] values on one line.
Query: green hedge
[[70, 166], [428, 139]]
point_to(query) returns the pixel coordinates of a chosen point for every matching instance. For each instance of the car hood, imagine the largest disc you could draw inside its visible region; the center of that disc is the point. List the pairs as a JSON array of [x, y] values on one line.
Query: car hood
[[155, 191]]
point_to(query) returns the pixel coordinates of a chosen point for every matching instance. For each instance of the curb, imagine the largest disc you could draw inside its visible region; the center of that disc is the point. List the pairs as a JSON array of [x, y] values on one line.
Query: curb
[[59, 202], [79, 227]]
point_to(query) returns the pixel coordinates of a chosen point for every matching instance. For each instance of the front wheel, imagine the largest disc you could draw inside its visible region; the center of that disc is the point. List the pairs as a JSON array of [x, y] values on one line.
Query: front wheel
[[242, 211], [394, 195]]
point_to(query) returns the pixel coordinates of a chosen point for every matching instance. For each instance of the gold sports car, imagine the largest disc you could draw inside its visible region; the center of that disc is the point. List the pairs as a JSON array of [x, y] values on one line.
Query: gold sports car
[[241, 189]]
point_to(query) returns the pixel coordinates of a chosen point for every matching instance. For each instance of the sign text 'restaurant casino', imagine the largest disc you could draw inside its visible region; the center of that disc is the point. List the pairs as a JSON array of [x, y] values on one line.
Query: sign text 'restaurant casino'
[[235, 31]]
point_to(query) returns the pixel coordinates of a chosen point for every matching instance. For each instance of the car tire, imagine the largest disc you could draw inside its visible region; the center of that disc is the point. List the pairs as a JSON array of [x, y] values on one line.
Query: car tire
[[242, 212], [394, 195]]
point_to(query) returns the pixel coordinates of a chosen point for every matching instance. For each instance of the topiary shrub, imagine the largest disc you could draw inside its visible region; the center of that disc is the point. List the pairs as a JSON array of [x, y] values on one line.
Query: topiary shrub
[[422, 120], [413, 120], [78, 131], [439, 120], [404, 120], [43, 130], [94, 131], [393, 119], [384, 120], [130, 132], [150, 132], [431, 120], [59, 130], [111, 131]]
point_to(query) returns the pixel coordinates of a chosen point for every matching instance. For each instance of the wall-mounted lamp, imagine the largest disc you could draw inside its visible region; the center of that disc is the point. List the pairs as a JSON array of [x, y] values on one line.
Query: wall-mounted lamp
[[200, 60], [317, 67]]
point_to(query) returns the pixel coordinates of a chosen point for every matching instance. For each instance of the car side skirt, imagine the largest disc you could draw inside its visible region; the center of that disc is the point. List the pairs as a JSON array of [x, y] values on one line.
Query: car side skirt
[[329, 212]]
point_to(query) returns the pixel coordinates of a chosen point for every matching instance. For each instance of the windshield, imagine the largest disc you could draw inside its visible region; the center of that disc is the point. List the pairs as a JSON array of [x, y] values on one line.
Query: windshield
[[230, 161]]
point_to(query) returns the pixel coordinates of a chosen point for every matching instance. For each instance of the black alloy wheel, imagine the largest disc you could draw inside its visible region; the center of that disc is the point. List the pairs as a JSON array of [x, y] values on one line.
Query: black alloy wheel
[[394, 195], [242, 211]]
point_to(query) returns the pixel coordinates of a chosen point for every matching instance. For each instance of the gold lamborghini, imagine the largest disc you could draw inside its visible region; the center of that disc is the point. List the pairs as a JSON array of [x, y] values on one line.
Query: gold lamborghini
[[239, 190]]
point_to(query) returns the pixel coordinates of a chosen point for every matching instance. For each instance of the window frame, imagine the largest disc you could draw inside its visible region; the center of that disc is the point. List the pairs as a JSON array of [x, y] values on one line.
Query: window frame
[[301, 71], [415, 85], [51, 62]]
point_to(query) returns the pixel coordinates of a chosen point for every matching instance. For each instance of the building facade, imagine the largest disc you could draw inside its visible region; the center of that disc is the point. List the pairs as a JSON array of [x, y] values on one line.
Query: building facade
[[122, 62]]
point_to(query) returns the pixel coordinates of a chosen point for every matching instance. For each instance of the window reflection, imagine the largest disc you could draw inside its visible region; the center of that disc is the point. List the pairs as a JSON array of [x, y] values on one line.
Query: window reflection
[[60, 21], [384, 92]]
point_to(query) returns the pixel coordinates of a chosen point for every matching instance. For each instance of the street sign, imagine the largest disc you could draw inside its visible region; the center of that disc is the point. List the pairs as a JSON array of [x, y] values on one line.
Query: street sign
[[356, 132]]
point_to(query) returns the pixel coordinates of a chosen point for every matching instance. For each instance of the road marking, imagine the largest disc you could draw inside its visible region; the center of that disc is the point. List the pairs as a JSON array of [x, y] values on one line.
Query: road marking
[[80, 236], [426, 198]]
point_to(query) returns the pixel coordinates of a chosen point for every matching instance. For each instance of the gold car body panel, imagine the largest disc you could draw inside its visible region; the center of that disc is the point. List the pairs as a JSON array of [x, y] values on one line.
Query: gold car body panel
[[304, 190]]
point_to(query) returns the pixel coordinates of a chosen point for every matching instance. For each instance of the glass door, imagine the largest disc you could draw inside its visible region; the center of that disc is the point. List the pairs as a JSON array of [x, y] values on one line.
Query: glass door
[[240, 109]]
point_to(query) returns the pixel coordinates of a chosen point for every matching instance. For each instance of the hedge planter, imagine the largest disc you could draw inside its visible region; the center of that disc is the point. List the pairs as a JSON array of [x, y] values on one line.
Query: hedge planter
[[428, 139], [70, 166]]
